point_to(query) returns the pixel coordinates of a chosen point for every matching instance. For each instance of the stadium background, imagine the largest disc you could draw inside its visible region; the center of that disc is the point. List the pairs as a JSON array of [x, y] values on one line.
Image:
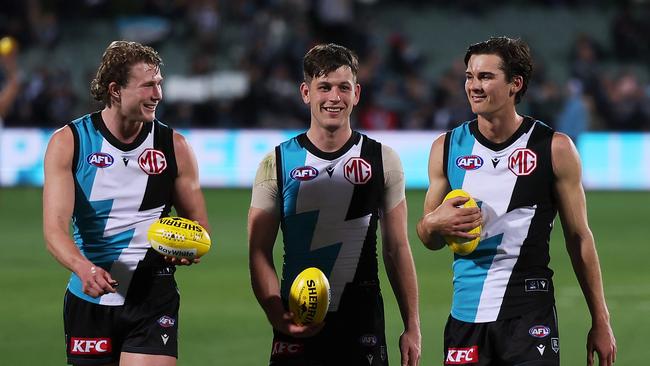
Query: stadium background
[[234, 65]]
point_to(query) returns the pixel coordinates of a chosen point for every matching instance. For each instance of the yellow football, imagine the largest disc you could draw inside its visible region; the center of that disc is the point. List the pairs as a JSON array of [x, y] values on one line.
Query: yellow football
[[178, 237], [7, 45], [309, 297], [459, 245]]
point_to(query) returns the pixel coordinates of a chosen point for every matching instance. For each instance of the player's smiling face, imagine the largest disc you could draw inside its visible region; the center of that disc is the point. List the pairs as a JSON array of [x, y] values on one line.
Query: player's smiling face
[[142, 93], [486, 86], [331, 98]]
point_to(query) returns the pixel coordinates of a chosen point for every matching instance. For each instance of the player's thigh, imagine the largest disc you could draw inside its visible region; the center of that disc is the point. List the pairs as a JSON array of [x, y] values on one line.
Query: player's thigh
[[91, 333], [140, 359], [533, 339]]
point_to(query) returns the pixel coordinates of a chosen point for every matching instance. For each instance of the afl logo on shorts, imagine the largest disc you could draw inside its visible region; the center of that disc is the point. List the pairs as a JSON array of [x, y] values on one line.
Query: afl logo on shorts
[[539, 331], [100, 159], [469, 162], [357, 171], [304, 173], [152, 161], [166, 321]]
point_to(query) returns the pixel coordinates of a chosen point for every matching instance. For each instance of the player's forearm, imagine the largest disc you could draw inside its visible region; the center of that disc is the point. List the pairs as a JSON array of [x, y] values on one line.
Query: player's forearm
[[401, 274], [427, 234], [65, 251], [586, 266]]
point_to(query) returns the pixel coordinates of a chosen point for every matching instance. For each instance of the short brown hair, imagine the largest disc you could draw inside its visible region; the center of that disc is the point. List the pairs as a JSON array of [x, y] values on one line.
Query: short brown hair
[[515, 58], [116, 64], [325, 58]]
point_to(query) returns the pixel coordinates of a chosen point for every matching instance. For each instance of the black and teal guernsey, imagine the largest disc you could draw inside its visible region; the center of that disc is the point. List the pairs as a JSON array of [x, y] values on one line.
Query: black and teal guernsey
[[330, 205], [513, 184], [120, 189]]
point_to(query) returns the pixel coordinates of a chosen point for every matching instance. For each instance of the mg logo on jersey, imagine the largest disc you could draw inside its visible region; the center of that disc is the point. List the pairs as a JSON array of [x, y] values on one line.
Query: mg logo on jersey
[[304, 173], [286, 348], [539, 331], [90, 346], [100, 159], [152, 161], [522, 161], [469, 162], [357, 171], [462, 356]]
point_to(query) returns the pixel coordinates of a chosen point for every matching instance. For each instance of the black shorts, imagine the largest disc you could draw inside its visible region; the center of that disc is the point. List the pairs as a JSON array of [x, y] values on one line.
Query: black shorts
[[147, 323], [354, 335], [529, 339]]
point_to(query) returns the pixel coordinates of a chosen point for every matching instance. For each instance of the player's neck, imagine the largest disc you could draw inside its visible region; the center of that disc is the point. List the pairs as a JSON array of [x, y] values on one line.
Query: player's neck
[[499, 128], [121, 128], [329, 141]]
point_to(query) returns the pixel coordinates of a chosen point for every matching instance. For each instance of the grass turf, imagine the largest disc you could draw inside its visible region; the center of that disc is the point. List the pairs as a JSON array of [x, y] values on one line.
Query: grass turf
[[221, 322]]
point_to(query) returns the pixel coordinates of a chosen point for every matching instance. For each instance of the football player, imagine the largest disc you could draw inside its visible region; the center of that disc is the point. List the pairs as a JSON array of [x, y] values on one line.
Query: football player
[[114, 172], [327, 189], [522, 174]]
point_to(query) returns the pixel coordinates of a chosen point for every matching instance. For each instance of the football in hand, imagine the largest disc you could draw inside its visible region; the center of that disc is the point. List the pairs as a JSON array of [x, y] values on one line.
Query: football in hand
[[457, 244], [309, 297], [178, 237]]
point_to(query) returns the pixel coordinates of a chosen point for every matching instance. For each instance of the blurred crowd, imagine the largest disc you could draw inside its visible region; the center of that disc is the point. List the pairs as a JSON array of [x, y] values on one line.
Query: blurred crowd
[[262, 43]]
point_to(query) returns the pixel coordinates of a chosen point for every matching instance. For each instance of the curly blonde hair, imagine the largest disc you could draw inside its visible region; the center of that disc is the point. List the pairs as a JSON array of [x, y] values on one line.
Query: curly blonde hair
[[116, 64]]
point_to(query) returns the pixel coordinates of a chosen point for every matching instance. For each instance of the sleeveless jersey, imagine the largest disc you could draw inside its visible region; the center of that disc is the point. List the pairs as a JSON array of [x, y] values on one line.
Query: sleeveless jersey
[[512, 182], [330, 204], [120, 189]]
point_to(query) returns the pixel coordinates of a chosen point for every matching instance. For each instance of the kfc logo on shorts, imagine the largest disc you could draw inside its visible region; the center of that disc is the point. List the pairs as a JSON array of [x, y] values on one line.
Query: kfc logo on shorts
[[90, 346], [522, 161], [166, 321], [152, 161], [357, 171], [462, 356], [286, 348]]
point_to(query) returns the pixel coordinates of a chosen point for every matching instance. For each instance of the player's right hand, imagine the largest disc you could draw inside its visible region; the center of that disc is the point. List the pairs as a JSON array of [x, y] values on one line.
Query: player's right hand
[[286, 325], [96, 281], [450, 220]]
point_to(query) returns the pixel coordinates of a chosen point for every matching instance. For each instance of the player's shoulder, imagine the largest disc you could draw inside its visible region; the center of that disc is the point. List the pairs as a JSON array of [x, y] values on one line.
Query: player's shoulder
[[561, 144]]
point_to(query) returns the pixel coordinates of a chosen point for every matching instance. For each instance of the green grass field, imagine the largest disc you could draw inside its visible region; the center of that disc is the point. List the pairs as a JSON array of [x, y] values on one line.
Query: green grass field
[[222, 324]]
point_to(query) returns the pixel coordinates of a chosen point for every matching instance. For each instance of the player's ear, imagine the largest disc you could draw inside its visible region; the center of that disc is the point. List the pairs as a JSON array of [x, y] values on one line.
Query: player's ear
[[304, 92], [516, 85], [114, 90]]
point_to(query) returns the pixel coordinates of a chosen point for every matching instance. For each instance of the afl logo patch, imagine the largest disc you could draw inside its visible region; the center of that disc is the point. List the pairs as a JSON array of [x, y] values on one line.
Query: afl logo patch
[[100, 159], [304, 173], [152, 161], [539, 331], [166, 321], [469, 162]]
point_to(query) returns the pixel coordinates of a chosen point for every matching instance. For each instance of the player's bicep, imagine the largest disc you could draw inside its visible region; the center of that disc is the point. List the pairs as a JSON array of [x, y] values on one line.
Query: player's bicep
[[188, 197], [58, 187], [568, 186]]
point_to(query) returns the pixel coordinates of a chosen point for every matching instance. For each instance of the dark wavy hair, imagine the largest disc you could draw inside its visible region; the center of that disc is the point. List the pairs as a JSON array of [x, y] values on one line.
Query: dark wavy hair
[[116, 64], [515, 58], [325, 58]]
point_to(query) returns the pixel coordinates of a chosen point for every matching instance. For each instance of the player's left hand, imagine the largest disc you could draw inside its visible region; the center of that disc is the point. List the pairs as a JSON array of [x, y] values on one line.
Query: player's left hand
[[181, 261], [601, 340], [410, 343]]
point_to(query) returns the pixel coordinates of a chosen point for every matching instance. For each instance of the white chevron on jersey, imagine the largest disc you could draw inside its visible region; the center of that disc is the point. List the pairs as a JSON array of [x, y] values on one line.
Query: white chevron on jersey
[[331, 227], [492, 187], [125, 184]]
